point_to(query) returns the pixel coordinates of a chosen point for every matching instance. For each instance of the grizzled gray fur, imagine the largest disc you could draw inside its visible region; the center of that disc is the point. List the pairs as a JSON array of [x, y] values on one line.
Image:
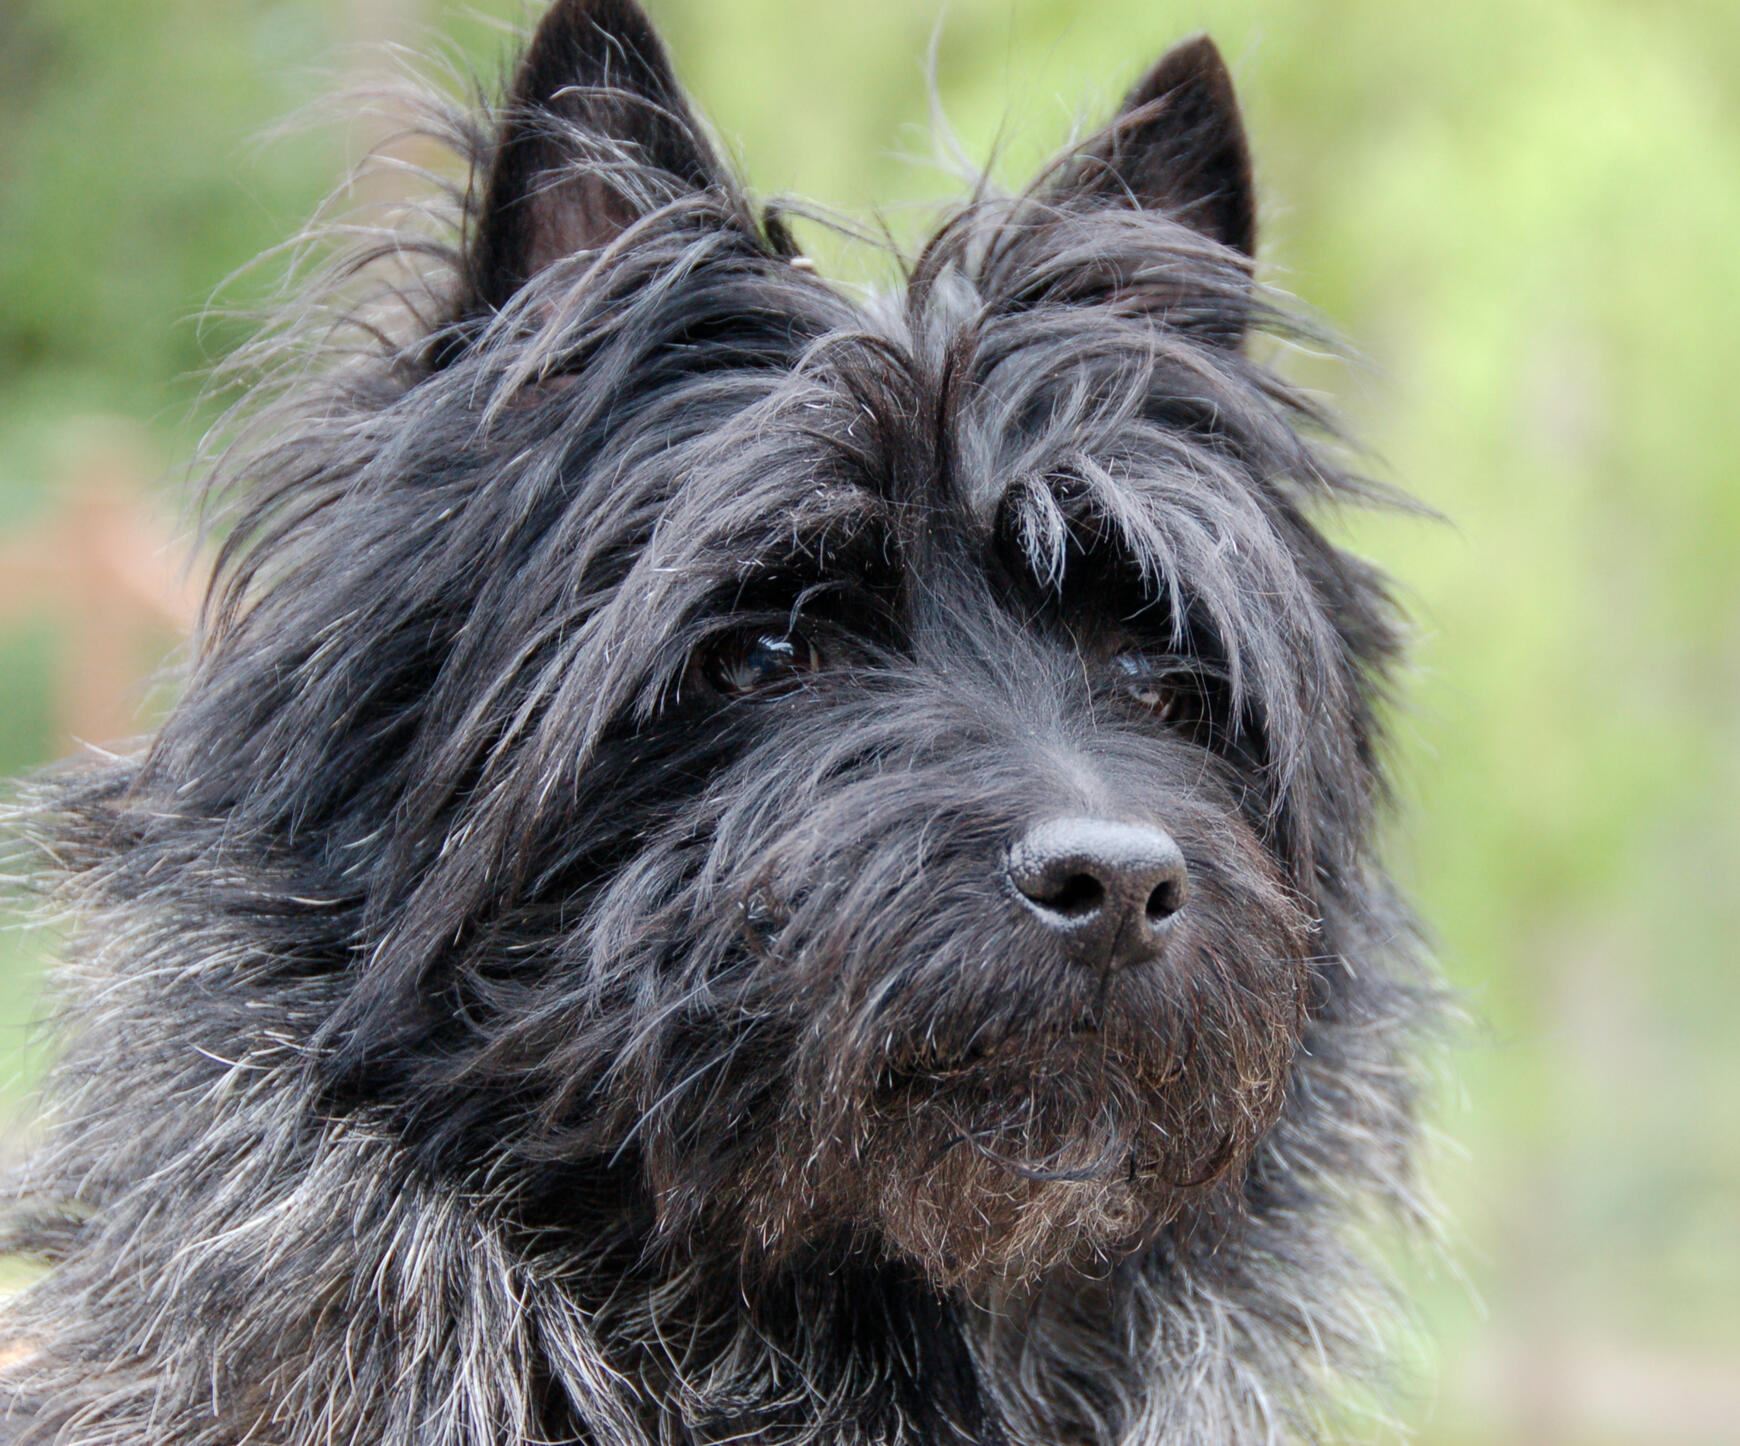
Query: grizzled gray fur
[[740, 863]]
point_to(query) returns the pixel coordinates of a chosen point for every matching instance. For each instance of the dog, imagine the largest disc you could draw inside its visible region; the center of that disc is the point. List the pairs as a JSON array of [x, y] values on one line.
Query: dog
[[743, 862]]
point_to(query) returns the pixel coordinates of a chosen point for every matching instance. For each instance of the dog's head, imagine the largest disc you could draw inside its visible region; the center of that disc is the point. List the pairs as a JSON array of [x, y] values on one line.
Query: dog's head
[[874, 771]]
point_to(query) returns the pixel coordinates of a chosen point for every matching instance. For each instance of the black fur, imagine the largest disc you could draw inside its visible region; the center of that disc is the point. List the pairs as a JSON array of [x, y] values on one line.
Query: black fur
[[555, 975]]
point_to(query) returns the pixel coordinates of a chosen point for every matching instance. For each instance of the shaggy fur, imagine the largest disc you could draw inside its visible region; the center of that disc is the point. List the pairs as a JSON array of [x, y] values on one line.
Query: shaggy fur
[[555, 976]]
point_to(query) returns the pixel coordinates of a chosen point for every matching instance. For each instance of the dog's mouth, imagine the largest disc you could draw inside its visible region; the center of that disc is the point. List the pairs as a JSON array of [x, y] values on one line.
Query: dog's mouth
[[1001, 1120], [1078, 1024], [1003, 1162], [1070, 1071], [979, 1174], [1005, 1156]]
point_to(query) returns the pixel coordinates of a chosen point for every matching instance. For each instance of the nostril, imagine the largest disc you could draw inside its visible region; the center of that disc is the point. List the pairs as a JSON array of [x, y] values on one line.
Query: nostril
[[1166, 899], [1078, 896], [1106, 889]]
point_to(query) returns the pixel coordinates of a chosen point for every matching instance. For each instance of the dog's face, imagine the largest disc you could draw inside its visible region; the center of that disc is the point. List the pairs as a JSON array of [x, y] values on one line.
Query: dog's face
[[878, 773]]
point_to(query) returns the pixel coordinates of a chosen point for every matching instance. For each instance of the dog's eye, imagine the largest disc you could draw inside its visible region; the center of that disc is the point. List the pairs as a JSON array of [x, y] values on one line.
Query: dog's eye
[[1148, 682], [759, 660]]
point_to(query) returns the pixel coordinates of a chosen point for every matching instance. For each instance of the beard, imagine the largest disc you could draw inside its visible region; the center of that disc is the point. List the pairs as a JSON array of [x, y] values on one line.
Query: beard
[[1072, 1138]]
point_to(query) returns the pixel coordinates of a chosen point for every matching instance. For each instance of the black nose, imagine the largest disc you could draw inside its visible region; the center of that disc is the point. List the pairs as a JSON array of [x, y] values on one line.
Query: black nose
[[1110, 889]]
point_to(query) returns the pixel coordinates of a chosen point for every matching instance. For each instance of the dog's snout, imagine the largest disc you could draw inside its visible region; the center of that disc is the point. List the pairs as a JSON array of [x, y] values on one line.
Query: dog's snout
[[1110, 889]]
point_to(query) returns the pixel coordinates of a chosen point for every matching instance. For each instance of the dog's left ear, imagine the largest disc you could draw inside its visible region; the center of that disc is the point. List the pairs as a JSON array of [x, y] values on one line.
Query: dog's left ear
[[595, 134], [1177, 147]]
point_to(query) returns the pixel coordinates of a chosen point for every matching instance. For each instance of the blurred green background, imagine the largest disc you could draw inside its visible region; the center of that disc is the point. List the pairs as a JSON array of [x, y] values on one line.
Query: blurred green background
[[1526, 216]]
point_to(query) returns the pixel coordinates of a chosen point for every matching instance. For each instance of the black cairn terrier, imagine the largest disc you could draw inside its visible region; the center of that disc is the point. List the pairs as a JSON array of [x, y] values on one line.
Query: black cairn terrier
[[739, 864]]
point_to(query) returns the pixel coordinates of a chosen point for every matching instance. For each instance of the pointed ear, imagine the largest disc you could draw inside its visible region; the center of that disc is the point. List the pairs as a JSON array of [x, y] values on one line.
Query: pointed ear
[[1177, 147], [595, 134]]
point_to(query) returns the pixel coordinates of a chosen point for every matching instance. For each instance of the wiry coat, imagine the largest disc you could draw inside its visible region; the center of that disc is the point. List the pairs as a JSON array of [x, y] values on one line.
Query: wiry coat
[[506, 1007]]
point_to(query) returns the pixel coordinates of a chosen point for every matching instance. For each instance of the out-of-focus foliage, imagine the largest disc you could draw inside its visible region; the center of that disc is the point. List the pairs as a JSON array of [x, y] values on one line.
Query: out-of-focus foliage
[[132, 185], [1525, 215]]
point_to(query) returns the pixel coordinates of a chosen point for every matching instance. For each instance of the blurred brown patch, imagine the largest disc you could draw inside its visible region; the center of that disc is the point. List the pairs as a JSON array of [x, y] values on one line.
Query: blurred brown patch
[[107, 564]]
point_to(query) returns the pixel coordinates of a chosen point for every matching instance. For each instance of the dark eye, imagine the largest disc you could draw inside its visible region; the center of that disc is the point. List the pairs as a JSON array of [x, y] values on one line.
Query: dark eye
[[1148, 682], [758, 660]]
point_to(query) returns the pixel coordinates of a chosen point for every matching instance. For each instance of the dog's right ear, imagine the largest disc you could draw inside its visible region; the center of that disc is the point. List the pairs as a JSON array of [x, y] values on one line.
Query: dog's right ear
[[1177, 147], [596, 133]]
